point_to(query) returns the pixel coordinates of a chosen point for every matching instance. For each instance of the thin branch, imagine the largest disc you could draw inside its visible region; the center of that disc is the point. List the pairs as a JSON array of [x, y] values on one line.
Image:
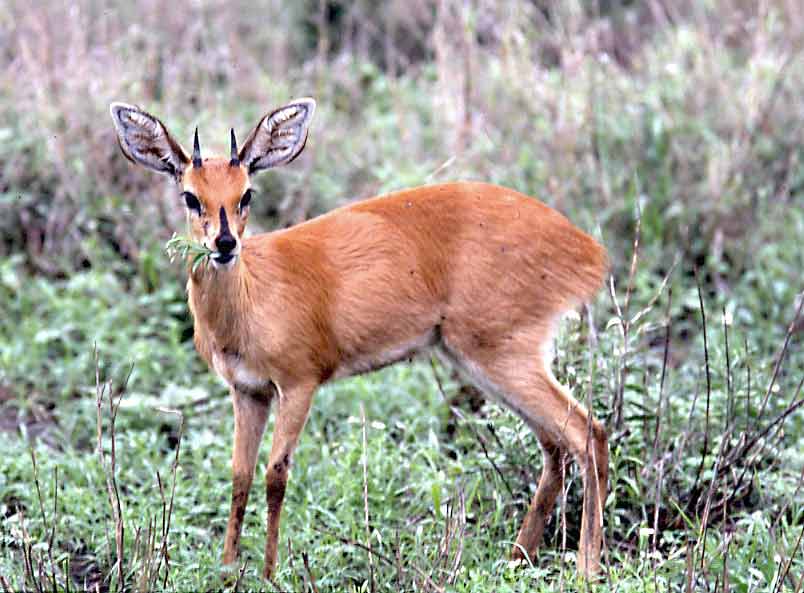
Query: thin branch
[[5, 584], [164, 556], [729, 382], [306, 562], [667, 330], [460, 416], [388, 560], [365, 499], [783, 573], [44, 518], [781, 356], [239, 578], [710, 494], [705, 451], [110, 468]]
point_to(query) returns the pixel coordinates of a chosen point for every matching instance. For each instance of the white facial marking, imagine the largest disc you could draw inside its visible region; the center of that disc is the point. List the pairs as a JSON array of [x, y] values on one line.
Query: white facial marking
[[227, 263]]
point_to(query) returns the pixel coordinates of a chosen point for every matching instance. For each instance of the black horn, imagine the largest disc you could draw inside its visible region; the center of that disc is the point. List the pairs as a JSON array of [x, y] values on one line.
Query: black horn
[[234, 160], [196, 151]]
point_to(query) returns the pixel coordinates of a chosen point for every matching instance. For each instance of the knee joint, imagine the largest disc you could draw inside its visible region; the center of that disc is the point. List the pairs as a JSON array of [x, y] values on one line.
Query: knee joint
[[280, 466]]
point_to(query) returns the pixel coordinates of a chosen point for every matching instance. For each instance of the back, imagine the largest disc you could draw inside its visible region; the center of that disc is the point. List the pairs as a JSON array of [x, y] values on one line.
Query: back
[[470, 256], [482, 241]]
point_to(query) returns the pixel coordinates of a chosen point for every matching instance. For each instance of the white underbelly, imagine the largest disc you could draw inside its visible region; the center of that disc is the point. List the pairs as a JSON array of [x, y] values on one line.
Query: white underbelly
[[382, 358], [235, 372]]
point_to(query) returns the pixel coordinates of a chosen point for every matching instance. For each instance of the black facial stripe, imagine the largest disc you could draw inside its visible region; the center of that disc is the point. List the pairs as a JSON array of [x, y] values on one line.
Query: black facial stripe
[[224, 224]]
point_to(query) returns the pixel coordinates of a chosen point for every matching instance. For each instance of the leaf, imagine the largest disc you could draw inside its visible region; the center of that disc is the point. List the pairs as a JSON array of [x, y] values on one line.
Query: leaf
[[186, 248], [435, 491]]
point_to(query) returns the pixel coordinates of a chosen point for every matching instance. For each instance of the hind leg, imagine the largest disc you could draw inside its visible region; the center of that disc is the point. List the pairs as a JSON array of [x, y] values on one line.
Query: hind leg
[[523, 382], [550, 485], [547, 406], [587, 441]]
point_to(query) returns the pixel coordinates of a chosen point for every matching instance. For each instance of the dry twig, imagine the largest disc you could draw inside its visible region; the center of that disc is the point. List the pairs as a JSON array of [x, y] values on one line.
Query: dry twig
[[365, 498], [388, 560], [482, 441], [109, 468]]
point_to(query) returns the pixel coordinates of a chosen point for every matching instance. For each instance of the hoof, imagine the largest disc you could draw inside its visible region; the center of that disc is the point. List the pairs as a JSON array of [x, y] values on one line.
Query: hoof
[[268, 572], [588, 569], [519, 558], [229, 573]]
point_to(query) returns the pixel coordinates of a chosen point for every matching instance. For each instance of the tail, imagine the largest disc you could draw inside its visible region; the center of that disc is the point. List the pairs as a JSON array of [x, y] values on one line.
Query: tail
[[586, 267]]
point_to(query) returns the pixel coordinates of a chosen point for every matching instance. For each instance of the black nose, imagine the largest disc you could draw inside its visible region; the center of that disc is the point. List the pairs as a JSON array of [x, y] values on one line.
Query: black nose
[[225, 243]]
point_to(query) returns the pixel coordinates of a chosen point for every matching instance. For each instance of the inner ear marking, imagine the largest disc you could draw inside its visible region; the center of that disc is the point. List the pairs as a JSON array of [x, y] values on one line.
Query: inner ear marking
[[279, 137], [145, 140]]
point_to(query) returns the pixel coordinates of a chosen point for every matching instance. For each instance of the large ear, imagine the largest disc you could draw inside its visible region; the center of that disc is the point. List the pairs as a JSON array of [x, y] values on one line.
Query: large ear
[[145, 140], [279, 137]]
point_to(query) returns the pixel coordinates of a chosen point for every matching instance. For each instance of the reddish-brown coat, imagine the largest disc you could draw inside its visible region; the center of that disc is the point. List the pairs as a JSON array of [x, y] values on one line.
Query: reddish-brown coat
[[479, 273], [476, 261]]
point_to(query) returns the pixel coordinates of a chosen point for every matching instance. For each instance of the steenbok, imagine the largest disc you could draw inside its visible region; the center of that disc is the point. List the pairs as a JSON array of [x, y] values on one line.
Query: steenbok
[[477, 273]]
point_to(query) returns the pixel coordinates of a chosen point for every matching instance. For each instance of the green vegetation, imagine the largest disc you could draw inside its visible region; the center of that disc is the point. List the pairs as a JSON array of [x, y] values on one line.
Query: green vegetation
[[184, 248], [672, 134]]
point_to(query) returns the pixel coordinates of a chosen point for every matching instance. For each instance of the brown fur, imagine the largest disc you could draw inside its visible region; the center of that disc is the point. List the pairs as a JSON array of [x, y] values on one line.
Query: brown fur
[[485, 270], [480, 273]]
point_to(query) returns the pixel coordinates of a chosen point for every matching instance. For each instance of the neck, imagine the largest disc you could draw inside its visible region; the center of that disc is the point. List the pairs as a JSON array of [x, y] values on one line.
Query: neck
[[217, 297]]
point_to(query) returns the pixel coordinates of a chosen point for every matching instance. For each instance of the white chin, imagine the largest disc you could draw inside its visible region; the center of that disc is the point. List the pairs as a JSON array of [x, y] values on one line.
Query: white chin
[[223, 264]]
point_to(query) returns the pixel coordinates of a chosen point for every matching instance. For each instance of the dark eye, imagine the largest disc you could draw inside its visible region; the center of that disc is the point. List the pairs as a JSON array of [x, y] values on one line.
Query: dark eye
[[246, 199], [192, 201]]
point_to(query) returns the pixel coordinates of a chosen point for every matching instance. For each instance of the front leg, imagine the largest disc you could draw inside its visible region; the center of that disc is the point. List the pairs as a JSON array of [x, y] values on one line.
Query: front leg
[[291, 414], [250, 416]]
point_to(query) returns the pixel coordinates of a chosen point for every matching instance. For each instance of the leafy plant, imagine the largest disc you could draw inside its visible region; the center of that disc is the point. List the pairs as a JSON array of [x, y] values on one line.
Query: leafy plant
[[184, 247]]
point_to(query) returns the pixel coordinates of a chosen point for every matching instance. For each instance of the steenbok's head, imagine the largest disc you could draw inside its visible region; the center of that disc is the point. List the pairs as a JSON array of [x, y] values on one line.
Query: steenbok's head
[[215, 190]]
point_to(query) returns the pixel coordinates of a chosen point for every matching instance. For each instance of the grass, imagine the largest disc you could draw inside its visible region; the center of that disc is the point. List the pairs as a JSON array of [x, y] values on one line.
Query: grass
[[666, 137], [422, 481]]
